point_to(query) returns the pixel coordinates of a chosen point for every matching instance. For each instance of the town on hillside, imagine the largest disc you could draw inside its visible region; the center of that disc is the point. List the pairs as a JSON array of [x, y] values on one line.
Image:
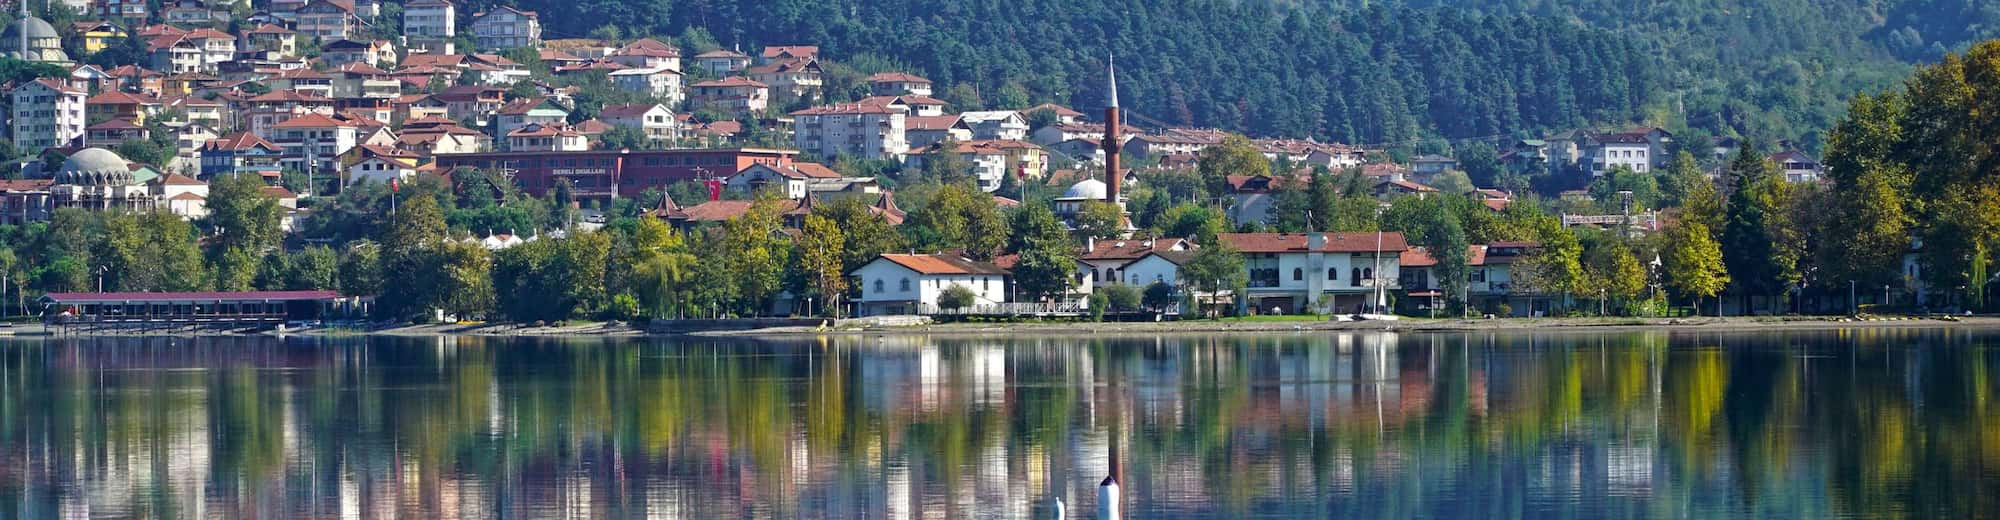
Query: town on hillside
[[445, 164]]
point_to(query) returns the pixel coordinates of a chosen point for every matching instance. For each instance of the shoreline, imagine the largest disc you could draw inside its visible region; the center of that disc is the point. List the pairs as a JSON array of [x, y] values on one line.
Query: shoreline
[[1536, 325], [1097, 329], [1590, 324]]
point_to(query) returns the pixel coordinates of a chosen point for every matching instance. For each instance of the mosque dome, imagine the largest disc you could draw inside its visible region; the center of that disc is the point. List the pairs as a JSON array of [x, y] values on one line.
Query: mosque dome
[[95, 167], [1087, 189], [44, 43]]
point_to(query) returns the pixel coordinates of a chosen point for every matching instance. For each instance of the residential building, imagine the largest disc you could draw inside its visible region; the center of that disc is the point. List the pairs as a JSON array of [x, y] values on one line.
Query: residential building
[[654, 120], [924, 131], [912, 284], [428, 23], [175, 54], [777, 53], [1063, 114], [1251, 197], [1164, 144], [898, 83], [546, 137], [736, 95], [311, 142], [1060, 132], [1117, 262], [377, 164], [432, 136], [722, 63], [127, 12], [647, 53], [1002, 125], [272, 38], [601, 175], [46, 114], [662, 83], [1622, 150], [531, 111], [240, 152], [858, 131], [915, 105], [120, 105], [1291, 273], [506, 28], [796, 180], [1797, 166], [798, 78], [376, 53], [327, 20], [475, 103], [991, 161], [1427, 165], [110, 133], [96, 36], [363, 81], [1490, 281]]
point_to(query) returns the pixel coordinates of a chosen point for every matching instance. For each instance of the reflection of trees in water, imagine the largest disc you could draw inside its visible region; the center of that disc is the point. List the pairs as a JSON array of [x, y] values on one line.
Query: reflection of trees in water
[[1789, 424]]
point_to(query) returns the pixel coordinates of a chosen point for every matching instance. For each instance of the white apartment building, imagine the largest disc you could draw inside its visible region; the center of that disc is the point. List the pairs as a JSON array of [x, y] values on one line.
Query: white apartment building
[[46, 114], [852, 130]]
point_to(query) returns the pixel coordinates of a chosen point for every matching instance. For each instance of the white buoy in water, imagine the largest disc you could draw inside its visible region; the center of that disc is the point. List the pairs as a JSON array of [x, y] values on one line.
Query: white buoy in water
[[1060, 514], [1107, 500]]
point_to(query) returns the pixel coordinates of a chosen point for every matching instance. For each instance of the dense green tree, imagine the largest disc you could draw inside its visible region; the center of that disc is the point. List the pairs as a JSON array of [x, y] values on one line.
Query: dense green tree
[[1100, 220], [821, 247], [958, 217], [1214, 269], [153, 251], [1693, 261], [1756, 265], [244, 221], [1236, 155], [1193, 222], [1047, 261]]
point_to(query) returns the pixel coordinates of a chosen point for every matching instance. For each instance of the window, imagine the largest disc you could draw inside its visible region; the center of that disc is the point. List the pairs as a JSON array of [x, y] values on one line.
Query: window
[[1298, 274], [1478, 275], [878, 285], [1368, 273], [906, 285], [1333, 273], [1355, 277]]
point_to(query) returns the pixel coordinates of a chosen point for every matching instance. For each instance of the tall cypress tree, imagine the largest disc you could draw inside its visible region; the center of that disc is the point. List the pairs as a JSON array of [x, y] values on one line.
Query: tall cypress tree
[[1746, 241]]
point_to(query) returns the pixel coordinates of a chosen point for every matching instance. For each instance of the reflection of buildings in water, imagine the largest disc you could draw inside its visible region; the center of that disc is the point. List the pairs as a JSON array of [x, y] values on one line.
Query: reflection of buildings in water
[[897, 490], [988, 372], [1629, 469]]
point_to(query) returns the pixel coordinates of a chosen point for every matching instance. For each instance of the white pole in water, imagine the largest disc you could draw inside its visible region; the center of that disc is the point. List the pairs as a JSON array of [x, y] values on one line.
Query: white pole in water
[[1107, 500], [1060, 514]]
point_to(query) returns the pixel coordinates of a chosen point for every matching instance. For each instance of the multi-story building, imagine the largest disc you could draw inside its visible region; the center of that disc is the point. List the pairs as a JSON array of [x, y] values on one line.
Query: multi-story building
[[898, 83], [526, 112], [913, 284], [46, 114], [97, 36], [546, 137], [273, 39], [1292, 273], [991, 161], [313, 141], [1490, 286], [327, 20], [999, 125], [601, 175], [430, 20], [659, 82], [264, 112], [655, 120], [800, 78], [132, 13], [647, 53], [506, 28], [121, 105], [722, 63], [241, 152], [851, 130], [736, 95], [176, 54], [1797, 166]]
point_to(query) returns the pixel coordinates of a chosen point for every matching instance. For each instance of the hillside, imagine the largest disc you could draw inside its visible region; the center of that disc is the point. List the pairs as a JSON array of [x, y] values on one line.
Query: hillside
[[1365, 71]]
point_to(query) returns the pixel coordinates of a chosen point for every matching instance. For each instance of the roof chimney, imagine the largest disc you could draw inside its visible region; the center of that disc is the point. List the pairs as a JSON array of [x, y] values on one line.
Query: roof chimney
[[1089, 244]]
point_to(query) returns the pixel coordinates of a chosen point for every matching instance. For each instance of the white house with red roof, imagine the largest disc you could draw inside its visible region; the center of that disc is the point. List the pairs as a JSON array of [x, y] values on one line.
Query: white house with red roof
[[796, 180], [506, 28], [898, 83], [722, 62], [655, 120], [912, 284], [1293, 273]]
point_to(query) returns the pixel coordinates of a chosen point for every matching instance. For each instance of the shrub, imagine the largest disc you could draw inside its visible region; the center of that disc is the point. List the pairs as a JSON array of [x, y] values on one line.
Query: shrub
[[956, 297], [1122, 297]]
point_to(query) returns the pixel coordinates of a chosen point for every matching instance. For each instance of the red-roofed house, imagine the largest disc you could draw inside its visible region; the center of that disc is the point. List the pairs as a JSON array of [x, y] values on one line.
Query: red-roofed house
[[506, 28], [1490, 281], [327, 20], [721, 63], [912, 284], [898, 83], [798, 180], [654, 120], [243, 152], [736, 95], [1296, 272]]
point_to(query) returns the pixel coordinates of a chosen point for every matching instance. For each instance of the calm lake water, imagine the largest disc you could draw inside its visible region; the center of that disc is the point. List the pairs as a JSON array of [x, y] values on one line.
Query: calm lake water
[[1641, 424]]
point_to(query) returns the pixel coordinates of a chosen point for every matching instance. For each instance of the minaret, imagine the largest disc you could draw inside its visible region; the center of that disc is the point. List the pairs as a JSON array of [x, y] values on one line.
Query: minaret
[[1112, 126], [23, 23]]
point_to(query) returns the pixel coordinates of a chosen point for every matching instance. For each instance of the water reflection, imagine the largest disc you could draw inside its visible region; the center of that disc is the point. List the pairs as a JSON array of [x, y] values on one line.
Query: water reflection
[[1795, 424]]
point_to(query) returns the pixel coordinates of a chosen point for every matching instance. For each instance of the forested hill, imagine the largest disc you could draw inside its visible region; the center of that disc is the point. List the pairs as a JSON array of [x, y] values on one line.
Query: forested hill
[[1364, 71], [1385, 75]]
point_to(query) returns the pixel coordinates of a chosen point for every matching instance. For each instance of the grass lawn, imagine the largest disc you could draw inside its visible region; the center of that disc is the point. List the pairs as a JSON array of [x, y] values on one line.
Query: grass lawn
[[1265, 318]]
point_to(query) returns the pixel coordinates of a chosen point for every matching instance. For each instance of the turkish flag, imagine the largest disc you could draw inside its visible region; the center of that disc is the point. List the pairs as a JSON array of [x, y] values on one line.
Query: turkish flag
[[395, 186], [714, 189]]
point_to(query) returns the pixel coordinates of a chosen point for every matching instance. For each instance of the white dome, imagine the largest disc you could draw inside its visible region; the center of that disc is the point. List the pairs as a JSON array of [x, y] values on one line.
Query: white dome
[[95, 167], [1088, 189]]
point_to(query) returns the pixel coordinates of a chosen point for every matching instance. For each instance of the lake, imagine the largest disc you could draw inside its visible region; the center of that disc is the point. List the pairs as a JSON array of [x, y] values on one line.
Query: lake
[[1795, 424]]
